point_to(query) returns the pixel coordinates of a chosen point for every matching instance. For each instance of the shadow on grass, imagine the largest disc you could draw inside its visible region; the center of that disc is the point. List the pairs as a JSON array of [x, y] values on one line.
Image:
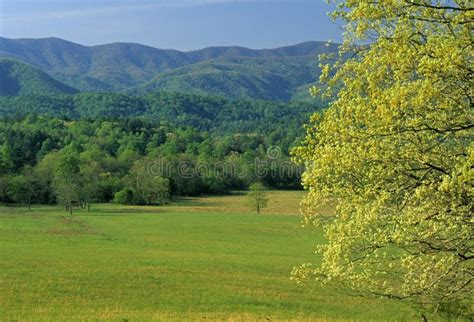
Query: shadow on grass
[[204, 200], [119, 211], [192, 202]]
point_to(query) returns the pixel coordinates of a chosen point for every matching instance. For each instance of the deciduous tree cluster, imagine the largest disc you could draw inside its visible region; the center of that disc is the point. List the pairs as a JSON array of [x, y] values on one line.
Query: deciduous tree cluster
[[131, 161]]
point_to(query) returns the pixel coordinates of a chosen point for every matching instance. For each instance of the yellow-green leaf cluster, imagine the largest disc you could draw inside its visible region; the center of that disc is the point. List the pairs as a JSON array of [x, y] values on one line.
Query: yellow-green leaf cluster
[[395, 152]]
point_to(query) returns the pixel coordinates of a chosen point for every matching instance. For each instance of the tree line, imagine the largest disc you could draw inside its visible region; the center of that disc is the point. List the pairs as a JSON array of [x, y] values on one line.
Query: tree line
[[203, 112], [130, 161]]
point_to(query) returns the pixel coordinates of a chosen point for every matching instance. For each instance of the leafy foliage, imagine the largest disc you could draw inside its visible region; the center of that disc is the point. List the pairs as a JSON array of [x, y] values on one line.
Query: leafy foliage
[[395, 152]]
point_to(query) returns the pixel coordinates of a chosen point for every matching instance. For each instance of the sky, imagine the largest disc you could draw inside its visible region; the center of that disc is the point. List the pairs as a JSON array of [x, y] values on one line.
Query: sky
[[178, 24]]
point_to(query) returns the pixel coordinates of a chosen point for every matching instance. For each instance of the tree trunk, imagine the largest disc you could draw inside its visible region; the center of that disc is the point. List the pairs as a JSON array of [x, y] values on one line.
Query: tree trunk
[[88, 207], [70, 209]]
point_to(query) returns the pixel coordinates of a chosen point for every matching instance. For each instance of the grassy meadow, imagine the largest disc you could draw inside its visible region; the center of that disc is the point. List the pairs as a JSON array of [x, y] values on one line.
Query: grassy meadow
[[199, 258]]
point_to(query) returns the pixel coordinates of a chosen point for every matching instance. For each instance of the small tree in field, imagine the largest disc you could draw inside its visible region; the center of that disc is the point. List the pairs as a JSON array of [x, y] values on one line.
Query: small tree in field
[[89, 183], [258, 196], [66, 181]]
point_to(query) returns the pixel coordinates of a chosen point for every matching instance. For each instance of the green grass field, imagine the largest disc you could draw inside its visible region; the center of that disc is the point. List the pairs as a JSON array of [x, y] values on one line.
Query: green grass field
[[201, 258]]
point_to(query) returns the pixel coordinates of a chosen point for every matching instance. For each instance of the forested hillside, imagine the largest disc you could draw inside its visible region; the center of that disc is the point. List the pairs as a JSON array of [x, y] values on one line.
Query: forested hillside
[[101, 147], [17, 78], [235, 72], [132, 161], [202, 112], [190, 111], [259, 78]]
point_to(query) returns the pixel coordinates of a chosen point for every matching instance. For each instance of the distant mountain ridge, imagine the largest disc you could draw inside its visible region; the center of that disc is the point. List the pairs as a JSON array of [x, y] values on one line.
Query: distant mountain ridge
[[134, 68], [262, 78]]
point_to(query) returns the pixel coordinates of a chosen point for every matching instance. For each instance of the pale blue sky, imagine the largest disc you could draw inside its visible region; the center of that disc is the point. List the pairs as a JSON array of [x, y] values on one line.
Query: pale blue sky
[[179, 24]]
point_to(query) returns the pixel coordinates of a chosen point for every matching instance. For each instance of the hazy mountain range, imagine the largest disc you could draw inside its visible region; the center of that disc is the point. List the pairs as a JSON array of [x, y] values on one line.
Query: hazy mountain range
[[52, 65]]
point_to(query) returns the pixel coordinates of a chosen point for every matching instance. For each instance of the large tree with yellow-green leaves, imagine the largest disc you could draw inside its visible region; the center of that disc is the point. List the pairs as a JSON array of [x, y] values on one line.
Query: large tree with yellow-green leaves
[[395, 153]]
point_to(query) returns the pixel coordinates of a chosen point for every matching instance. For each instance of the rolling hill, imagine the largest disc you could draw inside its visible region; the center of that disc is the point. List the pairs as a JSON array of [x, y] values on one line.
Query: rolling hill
[[230, 80], [236, 72], [270, 78], [17, 78]]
